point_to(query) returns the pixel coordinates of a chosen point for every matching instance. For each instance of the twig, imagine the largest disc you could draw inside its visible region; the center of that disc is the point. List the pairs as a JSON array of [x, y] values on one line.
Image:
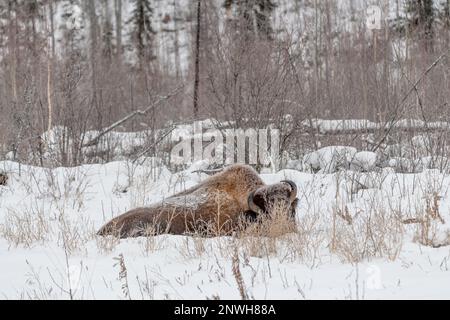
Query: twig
[[123, 275], [238, 276], [345, 215], [412, 221]]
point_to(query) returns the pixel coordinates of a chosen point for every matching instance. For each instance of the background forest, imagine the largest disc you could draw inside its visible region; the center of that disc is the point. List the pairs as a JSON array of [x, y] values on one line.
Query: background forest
[[82, 65]]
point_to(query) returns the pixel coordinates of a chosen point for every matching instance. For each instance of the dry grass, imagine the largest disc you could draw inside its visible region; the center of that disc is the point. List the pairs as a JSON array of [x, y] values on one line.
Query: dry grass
[[375, 234], [73, 235], [427, 222], [123, 275], [269, 236], [238, 276], [26, 227], [194, 246], [152, 241], [106, 244]]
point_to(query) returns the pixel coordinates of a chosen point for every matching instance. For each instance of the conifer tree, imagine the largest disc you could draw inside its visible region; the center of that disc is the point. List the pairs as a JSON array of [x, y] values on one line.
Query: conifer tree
[[253, 17], [142, 32], [420, 20]]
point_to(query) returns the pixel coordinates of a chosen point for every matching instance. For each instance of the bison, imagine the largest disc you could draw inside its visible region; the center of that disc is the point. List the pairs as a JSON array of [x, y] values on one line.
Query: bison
[[3, 179], [221, 204]]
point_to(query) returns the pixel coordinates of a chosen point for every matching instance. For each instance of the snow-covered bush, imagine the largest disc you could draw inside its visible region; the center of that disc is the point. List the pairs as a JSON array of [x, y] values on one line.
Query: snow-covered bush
[[329, 159], [294, 164], [404, 165], [364, 161], [437, 162]]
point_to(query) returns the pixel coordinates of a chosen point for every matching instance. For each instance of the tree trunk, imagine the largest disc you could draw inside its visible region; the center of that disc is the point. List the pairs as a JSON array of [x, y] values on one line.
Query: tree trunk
[[118, 13], [93, 49], [52, 26], [176, 43], [197, 60]]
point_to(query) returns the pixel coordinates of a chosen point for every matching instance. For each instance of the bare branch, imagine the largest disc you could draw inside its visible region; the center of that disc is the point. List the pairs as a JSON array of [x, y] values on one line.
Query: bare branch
[[394, 118], [140, 154], [135, 113]]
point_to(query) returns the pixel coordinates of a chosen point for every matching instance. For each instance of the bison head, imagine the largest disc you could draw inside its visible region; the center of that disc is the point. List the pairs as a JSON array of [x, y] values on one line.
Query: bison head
[[270, 200]]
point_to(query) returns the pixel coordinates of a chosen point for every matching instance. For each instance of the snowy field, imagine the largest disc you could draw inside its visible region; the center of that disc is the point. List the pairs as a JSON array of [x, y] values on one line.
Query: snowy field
[[374, 205], [360, 236]]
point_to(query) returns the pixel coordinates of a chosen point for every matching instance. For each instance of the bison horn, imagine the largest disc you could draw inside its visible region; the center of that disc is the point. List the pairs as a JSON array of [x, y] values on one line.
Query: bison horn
[[293, 189], [252, 205]]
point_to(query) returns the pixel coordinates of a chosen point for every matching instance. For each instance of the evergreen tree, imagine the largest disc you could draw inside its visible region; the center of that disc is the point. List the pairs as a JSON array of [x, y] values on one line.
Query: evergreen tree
[[107, 32], [141, 29], [20, 20], [263, 12], [420, 20], [73, 25], [32, 12], [253, 17], [444, 14]]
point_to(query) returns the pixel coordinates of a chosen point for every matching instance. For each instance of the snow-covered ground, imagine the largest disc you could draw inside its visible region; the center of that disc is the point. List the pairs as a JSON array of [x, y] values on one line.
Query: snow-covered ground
[[352, 240]]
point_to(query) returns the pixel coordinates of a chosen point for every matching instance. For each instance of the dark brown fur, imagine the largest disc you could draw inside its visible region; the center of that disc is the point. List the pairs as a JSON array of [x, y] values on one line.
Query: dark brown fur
[[217, 205], [3, 179]]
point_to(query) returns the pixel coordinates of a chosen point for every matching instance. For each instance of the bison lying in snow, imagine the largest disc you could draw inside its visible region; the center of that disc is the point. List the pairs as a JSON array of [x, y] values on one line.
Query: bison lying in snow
[[221, 204]]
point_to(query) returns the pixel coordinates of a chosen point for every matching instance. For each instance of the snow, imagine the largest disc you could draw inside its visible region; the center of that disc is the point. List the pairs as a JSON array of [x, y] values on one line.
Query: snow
[[199, 165], [294, 164], [364, 161], [329, 159], [402, 154], [65, 206], [404, 165], [436, 162], [324, 126]]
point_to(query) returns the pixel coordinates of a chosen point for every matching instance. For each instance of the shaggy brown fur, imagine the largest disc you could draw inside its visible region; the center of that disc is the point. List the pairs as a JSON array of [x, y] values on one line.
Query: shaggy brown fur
[[3, 179], [216, 205]]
